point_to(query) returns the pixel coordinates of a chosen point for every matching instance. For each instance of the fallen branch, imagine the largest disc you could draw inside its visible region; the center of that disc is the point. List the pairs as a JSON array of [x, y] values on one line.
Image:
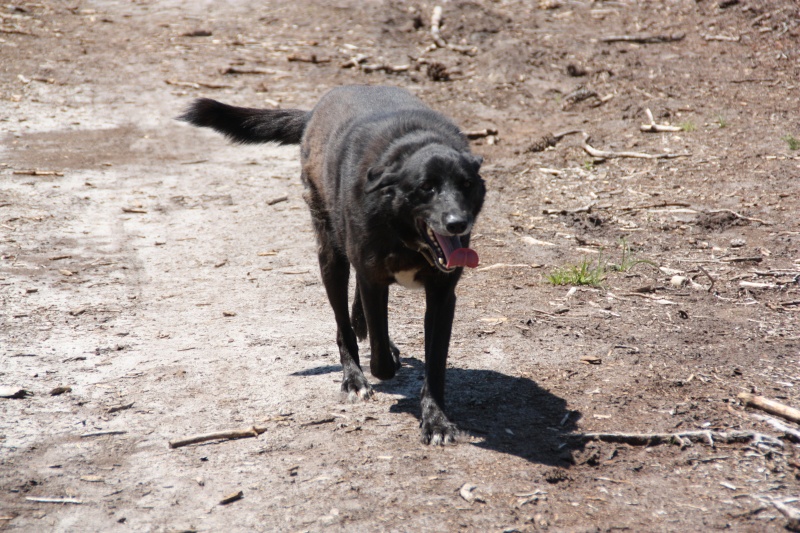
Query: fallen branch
[[603, 154], [707, 436], [770, 406], [53, 500], [253, 431], [652, 127], [644, 39]]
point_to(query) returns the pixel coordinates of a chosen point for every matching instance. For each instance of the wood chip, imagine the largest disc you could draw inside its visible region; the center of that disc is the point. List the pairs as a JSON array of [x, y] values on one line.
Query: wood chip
[[230, 498]]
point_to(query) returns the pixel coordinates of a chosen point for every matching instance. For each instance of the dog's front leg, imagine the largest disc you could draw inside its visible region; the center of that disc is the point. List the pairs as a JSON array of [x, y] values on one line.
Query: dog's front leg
[[385, 358], [440, 304]]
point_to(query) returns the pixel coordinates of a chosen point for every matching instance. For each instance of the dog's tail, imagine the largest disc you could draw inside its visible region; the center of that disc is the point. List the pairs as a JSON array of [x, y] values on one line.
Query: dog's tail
[[246, 125]]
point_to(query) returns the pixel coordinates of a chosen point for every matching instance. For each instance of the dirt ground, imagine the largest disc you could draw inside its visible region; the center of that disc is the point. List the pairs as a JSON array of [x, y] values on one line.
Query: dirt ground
[[169, 279]]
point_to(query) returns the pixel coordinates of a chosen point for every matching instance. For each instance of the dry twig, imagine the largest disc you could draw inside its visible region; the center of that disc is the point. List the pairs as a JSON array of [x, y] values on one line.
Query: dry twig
[[439, 41], [652, 127], [37, 172], [644, 39], [53, 500], [603, 154], [479, 134], [253, 431], [739, 216], [770, 406]]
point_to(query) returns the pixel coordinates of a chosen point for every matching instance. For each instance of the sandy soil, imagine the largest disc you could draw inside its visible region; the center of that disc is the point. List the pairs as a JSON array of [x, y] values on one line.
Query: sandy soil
[[151, 268]]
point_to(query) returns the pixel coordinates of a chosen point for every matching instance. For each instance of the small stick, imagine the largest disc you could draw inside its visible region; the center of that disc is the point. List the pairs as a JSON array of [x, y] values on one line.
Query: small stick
[[436, 22], [277, 200], [355, 61], [479, 134], [643, 39], [704, 271], [603, 154], [102, 434], [254, 431], [651, 206], [754, 259], [770, 406], [230, 498], [198, 84], [707, 436], [54, 500], [385, 68], [742, 217], [37, 172], [307, 59], [652, 127]]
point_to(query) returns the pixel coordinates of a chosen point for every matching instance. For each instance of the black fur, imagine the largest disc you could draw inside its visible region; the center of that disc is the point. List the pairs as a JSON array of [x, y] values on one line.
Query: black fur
[[381, 172], [248, 126]]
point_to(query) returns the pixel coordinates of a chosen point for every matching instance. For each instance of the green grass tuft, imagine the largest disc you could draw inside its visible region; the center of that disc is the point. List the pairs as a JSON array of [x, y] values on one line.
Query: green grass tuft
[[586, 273], [687, 125], [792, 141]]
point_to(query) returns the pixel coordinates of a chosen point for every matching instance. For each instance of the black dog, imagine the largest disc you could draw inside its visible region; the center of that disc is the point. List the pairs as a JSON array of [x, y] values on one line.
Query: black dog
[[393, 191]]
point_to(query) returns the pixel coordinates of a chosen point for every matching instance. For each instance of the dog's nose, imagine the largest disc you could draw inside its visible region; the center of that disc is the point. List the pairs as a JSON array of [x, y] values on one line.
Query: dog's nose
[[456, 224]]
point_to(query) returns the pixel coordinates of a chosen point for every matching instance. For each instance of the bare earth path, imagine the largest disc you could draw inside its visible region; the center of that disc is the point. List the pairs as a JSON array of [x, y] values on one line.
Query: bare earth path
[[169, 279]]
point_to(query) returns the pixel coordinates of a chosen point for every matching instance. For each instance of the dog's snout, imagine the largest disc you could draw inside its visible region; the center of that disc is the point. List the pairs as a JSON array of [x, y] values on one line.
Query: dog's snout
[[456, 224]]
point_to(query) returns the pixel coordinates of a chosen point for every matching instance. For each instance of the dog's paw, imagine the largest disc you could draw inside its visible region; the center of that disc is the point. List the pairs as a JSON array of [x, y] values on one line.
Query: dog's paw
[[395, 355], [356, 389], [439, 433]]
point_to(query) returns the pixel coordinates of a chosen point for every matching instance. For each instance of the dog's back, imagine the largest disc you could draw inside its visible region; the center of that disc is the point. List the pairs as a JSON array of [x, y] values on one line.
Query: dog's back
[[356, 127]]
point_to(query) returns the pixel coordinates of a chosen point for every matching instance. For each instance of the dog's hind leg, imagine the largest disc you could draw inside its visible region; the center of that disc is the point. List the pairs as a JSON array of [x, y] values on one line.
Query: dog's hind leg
[[359, 322], [440, 304], [385, 358], [357, 317]]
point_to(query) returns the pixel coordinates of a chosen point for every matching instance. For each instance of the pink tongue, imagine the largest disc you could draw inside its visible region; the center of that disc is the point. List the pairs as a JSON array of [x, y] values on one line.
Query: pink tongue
[[462, 257], [455, 255]]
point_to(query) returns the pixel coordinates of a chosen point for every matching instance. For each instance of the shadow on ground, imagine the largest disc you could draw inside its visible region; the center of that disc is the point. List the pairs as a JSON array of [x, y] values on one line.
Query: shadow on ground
[[502, 413]]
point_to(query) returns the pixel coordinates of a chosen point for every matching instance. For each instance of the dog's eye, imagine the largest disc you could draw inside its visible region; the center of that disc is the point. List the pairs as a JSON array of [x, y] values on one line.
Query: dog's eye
[[426, 186], [466, 184]]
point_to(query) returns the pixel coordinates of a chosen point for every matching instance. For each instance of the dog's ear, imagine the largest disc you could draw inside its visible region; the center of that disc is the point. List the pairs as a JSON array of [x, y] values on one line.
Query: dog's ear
[[379, 177], [476, 161]]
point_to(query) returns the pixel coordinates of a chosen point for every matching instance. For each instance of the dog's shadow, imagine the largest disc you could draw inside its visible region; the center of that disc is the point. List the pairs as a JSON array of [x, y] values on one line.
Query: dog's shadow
[[506, 414]]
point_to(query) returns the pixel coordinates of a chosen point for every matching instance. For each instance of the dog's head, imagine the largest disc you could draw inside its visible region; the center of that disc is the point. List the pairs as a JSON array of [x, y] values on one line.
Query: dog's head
[[435, 196]]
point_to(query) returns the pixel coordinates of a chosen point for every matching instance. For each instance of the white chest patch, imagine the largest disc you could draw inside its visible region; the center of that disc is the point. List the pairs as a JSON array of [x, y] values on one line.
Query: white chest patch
[[406, 279]]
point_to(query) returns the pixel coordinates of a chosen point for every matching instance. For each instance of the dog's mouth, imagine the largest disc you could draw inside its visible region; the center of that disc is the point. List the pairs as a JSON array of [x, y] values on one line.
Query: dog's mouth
[[445, 251]]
